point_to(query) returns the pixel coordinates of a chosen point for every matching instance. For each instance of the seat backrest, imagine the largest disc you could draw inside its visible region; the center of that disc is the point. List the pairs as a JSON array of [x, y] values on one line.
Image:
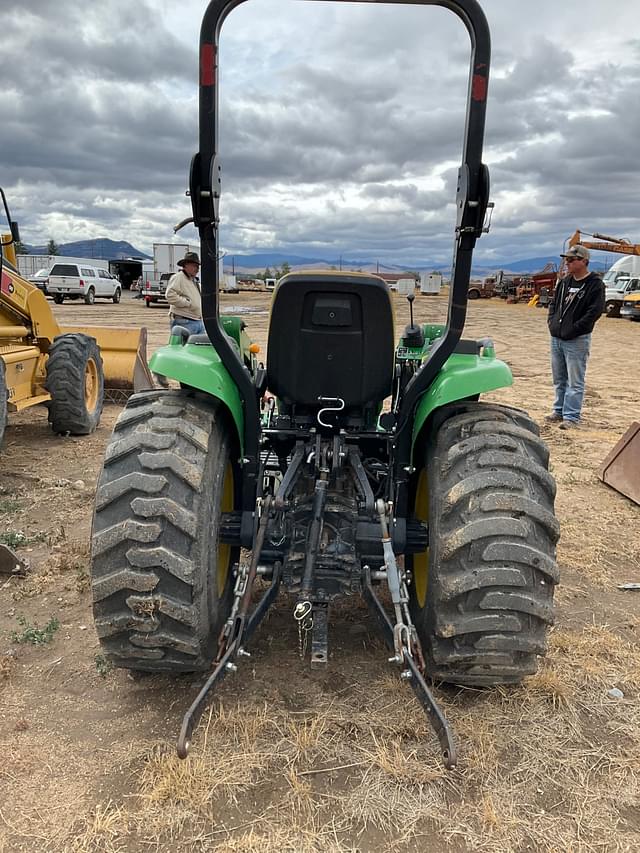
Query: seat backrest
[[331, 335]]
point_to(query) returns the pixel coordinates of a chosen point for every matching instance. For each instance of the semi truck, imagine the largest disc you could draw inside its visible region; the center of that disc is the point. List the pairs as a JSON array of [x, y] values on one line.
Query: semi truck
[[622, 279]]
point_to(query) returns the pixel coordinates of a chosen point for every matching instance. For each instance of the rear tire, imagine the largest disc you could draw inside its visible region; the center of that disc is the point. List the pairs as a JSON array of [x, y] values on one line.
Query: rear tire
[[75, 381], [4, 399], [58, 298], [612, 308], [90, 298], [162, 583], [481, 596]]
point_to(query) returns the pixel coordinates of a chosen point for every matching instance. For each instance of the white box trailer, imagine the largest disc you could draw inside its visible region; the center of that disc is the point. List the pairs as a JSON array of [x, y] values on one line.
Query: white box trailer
[[29, 265], [167, 255], [430, 283], [406, 286], [229, 283]]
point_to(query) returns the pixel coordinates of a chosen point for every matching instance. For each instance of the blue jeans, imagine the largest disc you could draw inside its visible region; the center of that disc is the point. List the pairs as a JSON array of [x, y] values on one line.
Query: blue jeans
[[568, 368], [194, 327]]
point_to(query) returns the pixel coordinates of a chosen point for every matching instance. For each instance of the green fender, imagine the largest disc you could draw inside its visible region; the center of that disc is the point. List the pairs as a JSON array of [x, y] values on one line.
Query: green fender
[[461, 376], [200, 367]]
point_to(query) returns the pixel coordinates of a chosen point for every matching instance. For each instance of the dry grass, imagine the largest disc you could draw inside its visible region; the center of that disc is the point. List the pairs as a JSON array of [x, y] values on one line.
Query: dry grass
[[7, 664], [104, 830], [290, 763], [283, 839], [596, 557], [68, 562], [551, 765]]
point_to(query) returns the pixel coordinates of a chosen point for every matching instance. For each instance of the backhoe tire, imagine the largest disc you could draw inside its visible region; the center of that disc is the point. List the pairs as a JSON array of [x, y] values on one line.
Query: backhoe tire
[[75, 381], [4, 399], [162, 582], [481, 596]]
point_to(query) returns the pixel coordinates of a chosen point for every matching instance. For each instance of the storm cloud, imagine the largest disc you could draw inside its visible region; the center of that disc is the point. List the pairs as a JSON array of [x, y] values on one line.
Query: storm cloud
[[340, 124]]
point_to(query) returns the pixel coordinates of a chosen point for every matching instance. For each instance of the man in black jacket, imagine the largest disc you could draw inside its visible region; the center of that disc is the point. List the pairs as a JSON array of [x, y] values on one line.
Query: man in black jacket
[[577, 305]]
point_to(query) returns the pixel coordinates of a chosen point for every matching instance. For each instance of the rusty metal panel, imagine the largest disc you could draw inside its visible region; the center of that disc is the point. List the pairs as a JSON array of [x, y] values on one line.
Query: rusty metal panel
[[621, 468]]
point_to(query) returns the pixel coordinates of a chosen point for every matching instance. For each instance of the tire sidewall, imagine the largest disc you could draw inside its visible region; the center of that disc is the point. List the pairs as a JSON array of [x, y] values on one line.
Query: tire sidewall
[[214, 607]]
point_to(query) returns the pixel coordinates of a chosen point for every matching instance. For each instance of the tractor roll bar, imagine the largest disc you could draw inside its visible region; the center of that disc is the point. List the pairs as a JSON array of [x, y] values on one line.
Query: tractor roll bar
[[471, 200]]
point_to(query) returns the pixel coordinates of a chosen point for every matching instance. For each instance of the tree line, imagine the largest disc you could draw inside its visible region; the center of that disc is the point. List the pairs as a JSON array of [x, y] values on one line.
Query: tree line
[[52, 248]]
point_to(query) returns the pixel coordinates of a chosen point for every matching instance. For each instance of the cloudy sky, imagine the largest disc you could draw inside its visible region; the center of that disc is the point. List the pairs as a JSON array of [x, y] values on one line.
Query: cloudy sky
[[340, 124]]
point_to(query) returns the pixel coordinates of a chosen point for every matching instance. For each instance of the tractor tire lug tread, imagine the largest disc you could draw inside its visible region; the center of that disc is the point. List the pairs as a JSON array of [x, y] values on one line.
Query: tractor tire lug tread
[[157, 607], [493, 531], [67, 361]]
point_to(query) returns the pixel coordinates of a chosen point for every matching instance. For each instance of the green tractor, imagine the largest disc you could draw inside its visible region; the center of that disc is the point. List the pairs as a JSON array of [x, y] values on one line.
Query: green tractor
[[438, 509]]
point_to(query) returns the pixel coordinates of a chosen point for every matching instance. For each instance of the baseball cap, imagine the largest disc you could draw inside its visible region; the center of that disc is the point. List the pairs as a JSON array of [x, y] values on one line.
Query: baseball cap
[[577, 252]]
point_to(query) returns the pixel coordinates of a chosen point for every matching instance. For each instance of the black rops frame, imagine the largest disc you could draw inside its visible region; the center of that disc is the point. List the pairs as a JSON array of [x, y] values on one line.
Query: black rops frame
[[471, 200]]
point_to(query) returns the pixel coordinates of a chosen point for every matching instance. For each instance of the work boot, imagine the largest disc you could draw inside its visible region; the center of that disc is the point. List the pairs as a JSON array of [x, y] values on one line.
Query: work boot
[[553, 417], [570, 425]]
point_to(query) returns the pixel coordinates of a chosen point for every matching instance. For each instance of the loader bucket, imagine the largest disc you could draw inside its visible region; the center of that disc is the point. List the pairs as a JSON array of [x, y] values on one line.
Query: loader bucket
[[10, 563], [124, 357], [621, 468]]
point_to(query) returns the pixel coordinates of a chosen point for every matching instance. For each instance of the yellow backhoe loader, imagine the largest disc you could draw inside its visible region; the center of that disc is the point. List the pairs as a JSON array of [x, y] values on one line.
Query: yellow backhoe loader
[[69, 369]]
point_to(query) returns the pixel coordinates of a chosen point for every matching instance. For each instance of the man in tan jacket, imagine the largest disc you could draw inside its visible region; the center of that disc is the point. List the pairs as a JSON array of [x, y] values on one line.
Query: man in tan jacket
[[183, 295]]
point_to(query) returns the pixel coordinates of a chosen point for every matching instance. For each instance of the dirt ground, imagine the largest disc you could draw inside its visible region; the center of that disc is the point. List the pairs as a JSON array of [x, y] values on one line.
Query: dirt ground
[[342, 760]]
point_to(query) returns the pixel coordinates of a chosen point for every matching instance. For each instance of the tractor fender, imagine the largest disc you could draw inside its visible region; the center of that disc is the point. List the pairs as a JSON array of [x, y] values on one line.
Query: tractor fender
[[199, 366], [462, 377]]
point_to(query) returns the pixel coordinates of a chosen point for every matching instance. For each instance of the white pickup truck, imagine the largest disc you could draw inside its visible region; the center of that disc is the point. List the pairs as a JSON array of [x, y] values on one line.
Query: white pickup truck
[[81, 281]]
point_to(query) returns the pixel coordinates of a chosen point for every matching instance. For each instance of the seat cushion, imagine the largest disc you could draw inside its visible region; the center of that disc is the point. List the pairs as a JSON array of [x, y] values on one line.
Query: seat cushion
[[331, 335]]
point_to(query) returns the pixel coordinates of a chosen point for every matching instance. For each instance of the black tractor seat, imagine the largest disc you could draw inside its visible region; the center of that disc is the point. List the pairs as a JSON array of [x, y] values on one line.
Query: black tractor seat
[[331, 337]]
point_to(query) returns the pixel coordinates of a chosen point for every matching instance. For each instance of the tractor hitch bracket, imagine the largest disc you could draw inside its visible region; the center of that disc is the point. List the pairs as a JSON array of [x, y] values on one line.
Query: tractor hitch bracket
[[402, 638], [411, 673], [236, 632]]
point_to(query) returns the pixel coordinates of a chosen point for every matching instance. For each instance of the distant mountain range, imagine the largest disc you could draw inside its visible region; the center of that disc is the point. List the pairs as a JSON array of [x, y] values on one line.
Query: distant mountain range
[[260, 261], [106, 249], [101, 248]]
